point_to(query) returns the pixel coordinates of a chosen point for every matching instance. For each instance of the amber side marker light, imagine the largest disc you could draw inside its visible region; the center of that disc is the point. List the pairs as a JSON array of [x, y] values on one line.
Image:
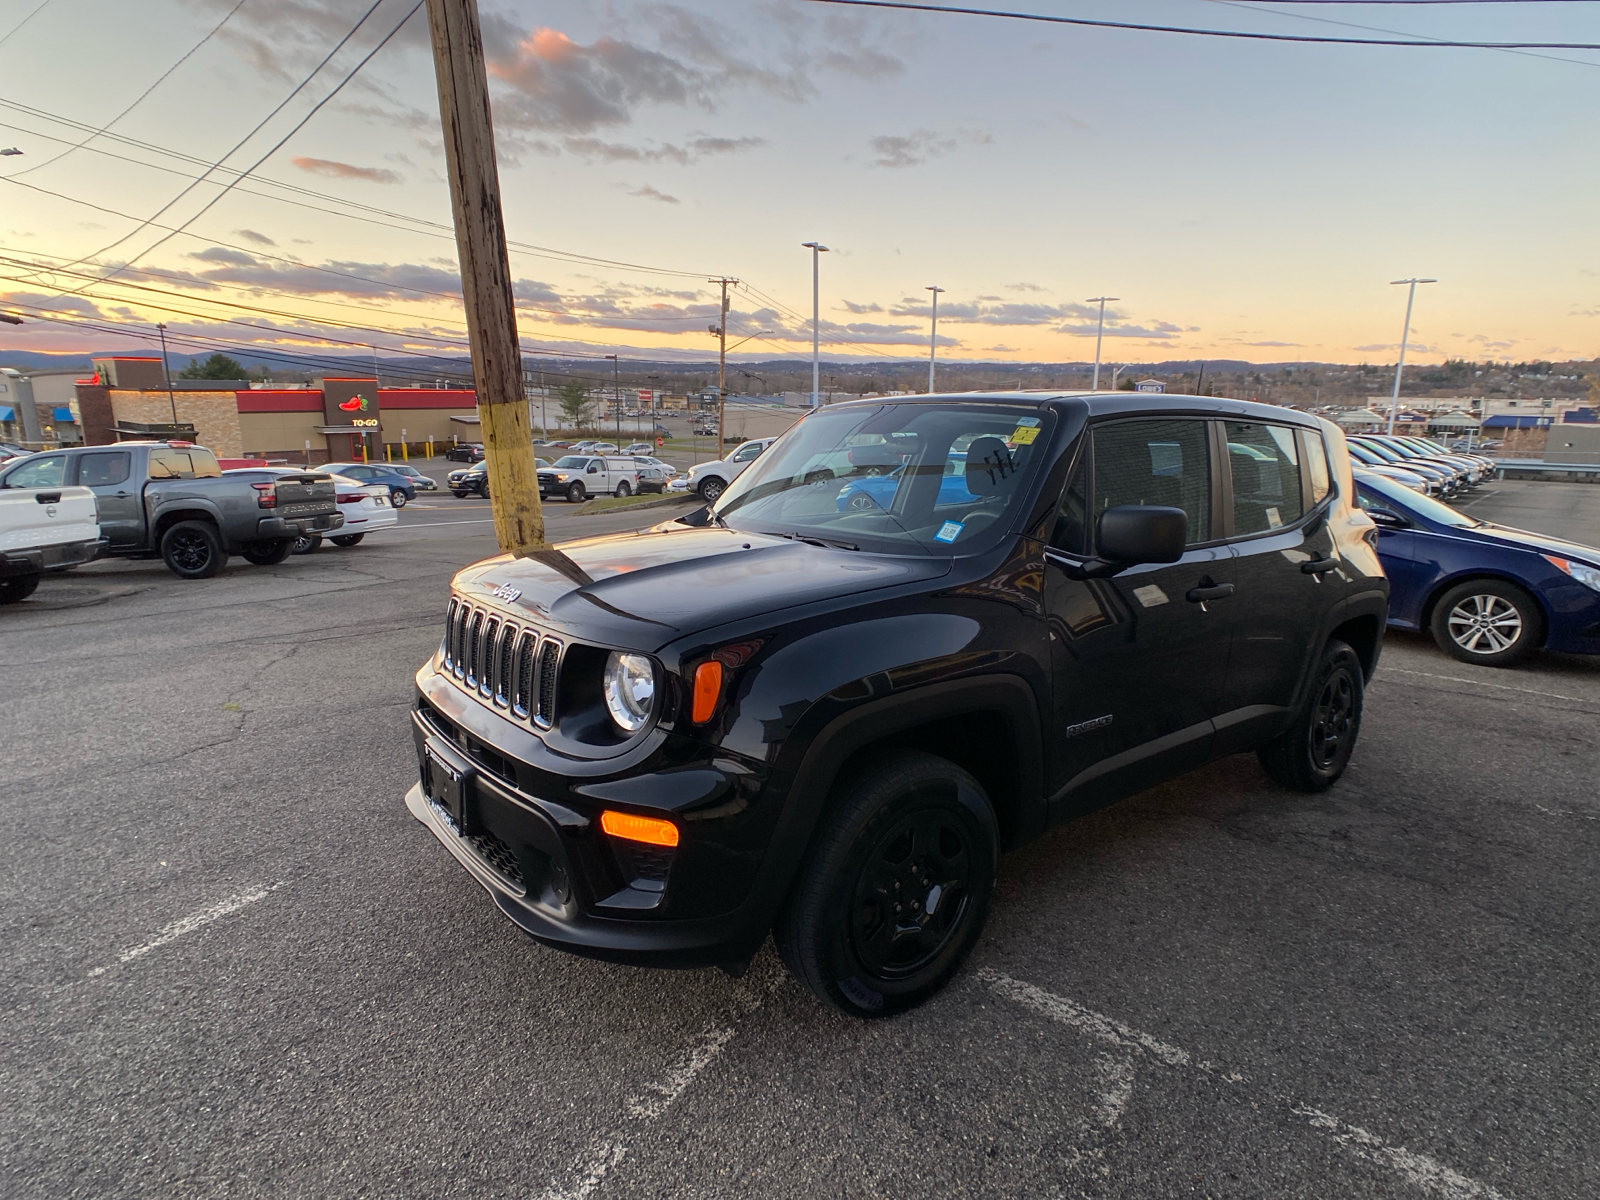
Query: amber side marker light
[[651, 830], [707, 689]]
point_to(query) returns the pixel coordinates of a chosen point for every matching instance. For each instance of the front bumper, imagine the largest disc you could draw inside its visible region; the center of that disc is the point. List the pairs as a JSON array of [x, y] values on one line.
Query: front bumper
[[557, 877], [37, 559]]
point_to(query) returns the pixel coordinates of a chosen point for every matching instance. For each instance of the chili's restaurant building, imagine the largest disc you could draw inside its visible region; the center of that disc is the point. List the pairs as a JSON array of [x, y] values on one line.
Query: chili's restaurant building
[[327, 422]]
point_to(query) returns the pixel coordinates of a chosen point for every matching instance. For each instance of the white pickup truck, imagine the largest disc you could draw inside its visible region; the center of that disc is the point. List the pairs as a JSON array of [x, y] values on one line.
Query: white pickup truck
[[44, 529]]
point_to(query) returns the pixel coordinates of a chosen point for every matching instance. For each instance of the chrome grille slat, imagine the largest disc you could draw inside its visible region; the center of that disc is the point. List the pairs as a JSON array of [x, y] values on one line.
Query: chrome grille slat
[[523, 693], [505, 659], [487, 656]]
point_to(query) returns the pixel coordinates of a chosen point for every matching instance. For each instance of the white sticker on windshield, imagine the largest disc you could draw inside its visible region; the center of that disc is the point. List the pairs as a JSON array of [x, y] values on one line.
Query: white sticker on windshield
[[1149, 595], [1273, 519], [948, 532]]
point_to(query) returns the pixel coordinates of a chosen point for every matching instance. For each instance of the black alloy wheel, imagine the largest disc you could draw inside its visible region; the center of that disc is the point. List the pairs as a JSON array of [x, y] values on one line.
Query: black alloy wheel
[[17, 588], [575, 493], [192, 550], [306, 544], [268, 554], [1488, 622], [397, 498], [896, 890], [483, 490], [1314, 751], [710, 488], [347, 539]]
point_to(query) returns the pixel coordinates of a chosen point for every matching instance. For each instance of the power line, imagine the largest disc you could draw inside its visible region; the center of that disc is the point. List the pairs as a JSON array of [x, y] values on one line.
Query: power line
[[1431, 43], [140, 98], [24, 21]]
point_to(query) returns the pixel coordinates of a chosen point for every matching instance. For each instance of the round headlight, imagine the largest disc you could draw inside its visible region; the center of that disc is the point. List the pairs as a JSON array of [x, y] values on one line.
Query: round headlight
[[630, 689]]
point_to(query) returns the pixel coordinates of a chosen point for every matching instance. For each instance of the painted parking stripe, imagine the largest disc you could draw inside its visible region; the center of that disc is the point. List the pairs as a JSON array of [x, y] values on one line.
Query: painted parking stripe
[[1504, 687], [190, 923], [1426, 1173]]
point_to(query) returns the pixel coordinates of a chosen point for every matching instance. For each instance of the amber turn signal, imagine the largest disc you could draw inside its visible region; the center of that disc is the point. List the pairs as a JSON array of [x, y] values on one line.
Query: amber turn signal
[[707, 688], [652, 830]]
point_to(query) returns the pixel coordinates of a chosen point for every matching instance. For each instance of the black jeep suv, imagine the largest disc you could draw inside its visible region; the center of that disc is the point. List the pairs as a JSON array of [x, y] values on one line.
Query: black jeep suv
[[912, 634]]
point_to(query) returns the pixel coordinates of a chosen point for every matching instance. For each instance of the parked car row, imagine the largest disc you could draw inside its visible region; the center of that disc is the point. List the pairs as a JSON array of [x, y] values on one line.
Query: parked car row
[[650, 474], [1420, 463]]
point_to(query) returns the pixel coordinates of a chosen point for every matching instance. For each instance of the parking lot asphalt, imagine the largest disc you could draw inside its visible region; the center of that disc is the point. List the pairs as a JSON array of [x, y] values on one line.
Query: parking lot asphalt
[[236, 966]]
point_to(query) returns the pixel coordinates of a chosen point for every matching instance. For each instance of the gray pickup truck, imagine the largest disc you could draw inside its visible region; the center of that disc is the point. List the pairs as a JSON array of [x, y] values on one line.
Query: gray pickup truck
[[171, 499]]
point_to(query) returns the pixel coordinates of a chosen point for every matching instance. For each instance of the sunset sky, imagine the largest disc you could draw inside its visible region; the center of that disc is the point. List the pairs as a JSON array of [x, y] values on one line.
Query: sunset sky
[[1245, 200]]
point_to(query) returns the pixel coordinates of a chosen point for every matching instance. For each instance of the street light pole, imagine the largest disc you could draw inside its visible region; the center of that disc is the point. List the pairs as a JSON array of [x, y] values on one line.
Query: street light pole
[[166, 371], [616, 394], [1099, 334], [933, 334], [1405, 336], [816, 248]]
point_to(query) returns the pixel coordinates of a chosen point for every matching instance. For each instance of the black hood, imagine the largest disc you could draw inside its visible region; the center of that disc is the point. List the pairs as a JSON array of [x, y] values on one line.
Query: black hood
[[649, 588]]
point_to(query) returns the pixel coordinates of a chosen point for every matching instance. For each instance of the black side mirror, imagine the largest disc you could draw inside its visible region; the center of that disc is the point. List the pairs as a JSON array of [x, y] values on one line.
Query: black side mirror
[[1131, 534], [1386, 518]]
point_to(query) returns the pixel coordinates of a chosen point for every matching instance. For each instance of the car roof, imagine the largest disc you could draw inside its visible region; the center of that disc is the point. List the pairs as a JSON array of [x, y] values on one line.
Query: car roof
[[1106, 404]]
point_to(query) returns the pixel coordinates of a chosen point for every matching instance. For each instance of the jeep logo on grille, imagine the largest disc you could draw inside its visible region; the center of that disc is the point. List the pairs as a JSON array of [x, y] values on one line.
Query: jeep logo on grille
[[507, 593]]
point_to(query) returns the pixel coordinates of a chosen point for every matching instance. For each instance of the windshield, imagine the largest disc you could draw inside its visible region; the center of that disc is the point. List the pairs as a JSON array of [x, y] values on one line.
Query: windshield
[[573, 462], [1392, 493], [910, 478], [1383, 452]]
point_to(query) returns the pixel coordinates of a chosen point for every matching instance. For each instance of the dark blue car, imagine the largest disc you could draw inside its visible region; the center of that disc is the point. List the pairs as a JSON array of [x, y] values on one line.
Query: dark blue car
[[1488, 594], [400, 488]]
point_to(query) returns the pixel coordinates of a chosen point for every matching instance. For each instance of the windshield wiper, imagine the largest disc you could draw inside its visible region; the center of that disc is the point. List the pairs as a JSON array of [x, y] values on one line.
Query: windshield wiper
[[825, 543]]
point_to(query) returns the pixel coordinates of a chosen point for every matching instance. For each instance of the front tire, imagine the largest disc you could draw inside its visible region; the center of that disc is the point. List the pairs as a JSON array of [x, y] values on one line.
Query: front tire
[[710, 488], [192, 550], [575, 494], [308, 544], [896, 890], [1313, 752], [17, 588], [1488, 622], [268, 554], [348, 539]]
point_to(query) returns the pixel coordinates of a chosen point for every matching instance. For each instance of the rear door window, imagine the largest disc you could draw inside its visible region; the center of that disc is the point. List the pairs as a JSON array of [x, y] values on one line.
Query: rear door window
[[104, 468], [1316, 464], [1166, 463], [1264, 462]]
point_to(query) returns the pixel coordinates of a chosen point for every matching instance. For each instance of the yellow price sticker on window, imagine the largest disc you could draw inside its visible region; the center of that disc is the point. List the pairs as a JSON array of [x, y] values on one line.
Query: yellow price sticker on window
[[1023, 435]]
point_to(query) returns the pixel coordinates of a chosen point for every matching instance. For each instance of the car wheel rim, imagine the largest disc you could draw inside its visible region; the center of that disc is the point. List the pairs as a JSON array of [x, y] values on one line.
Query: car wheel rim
[[711, 491], [1484, 624], [911, 895], [301, 545], [1332, 719], [861, 502], [190, 551]]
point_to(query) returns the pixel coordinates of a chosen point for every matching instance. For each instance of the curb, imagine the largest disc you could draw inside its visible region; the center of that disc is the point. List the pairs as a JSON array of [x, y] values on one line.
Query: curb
[[591, 509]]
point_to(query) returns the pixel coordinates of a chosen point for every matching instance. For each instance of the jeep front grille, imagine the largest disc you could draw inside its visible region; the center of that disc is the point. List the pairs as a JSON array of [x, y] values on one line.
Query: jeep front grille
[[507, 665]]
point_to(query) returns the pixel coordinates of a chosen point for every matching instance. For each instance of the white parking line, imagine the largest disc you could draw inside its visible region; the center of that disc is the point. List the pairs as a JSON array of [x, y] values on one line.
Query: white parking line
[[1504, 687], [606, 1152], [1425, 1173], [189, 924]]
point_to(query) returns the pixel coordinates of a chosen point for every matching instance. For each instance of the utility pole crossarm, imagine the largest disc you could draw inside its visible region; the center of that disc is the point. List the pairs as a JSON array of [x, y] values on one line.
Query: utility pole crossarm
[[486, 274]]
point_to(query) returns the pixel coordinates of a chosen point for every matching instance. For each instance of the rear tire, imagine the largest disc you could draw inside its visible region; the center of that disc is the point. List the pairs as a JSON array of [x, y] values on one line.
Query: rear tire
[[896, 889], [1313, 752], [623, 490], [397, 499], [268, 554], [1487, 622], [307, 545], [17, 588], [192, 550], [348, 539]]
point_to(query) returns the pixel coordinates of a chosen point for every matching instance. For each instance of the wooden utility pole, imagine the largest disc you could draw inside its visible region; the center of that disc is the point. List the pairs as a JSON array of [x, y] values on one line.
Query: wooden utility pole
[[486, 274], [722, 358]]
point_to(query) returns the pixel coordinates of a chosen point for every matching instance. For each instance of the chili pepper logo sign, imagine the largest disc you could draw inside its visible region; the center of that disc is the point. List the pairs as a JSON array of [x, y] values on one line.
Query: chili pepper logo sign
[[354, 404]]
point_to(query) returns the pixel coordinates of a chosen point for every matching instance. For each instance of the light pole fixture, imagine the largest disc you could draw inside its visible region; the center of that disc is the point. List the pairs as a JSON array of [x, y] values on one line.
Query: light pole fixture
[[1099, 334], [816, 249], [933, 334], [1405, 336], [166, 371]]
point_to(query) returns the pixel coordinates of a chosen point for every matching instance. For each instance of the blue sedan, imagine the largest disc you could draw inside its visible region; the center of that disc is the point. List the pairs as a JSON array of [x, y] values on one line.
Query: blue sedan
[[877, 491], [1489, 595]]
